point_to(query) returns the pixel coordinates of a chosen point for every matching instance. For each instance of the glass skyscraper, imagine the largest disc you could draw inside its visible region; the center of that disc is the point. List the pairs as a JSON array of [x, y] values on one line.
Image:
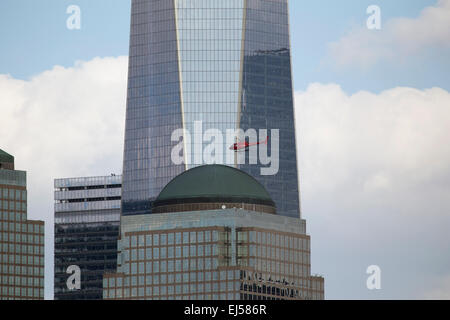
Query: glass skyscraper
[[87, 218], [21, 240], [225, 63]]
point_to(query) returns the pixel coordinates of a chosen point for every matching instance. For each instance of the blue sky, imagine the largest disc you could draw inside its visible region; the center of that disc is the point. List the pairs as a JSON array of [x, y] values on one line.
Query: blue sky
[[314, 24], [41, 40], [372, 119]]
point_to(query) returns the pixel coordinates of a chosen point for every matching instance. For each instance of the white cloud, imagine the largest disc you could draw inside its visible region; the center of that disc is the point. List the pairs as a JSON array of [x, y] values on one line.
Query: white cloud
[[397, 137], [374, 168], [441, 291], [65, 122], [375, 185], [398, 38]]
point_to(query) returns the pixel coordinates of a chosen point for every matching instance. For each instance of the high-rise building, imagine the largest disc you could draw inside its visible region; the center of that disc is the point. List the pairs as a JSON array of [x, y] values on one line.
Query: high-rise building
[[87, 219], [214, 234], [226, 63], [21, 240]]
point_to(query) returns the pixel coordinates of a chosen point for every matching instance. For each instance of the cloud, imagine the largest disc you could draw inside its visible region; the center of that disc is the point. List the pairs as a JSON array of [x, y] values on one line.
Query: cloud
[[375, 186], [374, 168], [399, 135], [65, 122], [398, 38], [441, 291]]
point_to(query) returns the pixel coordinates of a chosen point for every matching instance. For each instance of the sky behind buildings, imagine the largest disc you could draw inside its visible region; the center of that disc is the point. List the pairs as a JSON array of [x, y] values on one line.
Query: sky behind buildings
[[372, 116]]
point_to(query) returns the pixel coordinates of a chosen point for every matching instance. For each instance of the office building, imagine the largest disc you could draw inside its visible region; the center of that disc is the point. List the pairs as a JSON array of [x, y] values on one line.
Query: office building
[[224, 63], [21, 240], [214, 234], [87, 219]]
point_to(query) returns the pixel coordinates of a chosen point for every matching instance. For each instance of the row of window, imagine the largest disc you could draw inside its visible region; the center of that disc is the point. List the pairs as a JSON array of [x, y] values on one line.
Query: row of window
[[154, 80], [257, 65], [20, 226], [17, 292], [279, 6], [275, 239], [79, 194], [13, 205], [112, 215], [37, 281], [175, 278], [13, 194], [215, 290], [213, 35], [154, 99], [210, 9], [205, 288], [200, 296], [22, 249], [178, 265], [211, 52], [87, 182], [21, 238], [162, 239], [288, 270], [272, 255], [170, 252], [268, 245], [19, 260], [25, 270], [87, 206], [299, 267], [6, 217], [214, 296]]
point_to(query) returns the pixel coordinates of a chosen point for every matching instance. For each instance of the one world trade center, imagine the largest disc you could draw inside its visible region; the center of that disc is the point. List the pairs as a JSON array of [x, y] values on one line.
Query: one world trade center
[[208, 64]]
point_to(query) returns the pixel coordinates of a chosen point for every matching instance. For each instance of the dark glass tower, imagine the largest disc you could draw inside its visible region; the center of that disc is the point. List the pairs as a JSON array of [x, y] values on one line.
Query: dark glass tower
[[225, 63], [87, 218]]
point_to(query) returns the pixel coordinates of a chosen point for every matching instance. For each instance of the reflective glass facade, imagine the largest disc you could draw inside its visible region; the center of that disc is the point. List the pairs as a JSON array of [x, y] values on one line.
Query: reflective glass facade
[[210, 34], [213, 255], [21, 241], [87, 219], [267, 96], [153, 104], [223, 62]]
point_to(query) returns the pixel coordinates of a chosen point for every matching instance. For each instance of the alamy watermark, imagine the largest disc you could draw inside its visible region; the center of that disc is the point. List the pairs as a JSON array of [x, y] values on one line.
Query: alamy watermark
[[374, 20], [73, 22], [374, 280], [233, 147], [74, 281]]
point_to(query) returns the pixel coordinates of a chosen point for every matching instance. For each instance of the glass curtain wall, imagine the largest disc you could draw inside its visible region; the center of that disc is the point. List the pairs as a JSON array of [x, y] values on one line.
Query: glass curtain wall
[[153, 104], [267, 96], [226, 63]]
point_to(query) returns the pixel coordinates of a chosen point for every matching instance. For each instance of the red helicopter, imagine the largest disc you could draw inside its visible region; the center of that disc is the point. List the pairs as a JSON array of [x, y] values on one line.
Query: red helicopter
[[243, 146]]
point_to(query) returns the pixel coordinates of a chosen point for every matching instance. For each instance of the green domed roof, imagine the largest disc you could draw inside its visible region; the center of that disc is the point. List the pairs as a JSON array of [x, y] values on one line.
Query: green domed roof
[[214, 183]]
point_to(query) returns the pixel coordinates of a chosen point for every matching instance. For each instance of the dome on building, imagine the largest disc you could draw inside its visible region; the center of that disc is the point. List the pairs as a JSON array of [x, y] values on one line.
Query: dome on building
[[211, 187]]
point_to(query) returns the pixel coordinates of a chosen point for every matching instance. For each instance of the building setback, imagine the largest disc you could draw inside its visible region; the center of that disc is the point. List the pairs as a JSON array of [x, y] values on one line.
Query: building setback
[[87, 219], [226, 63], [210, 232], [214, 235], [21, 240]]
